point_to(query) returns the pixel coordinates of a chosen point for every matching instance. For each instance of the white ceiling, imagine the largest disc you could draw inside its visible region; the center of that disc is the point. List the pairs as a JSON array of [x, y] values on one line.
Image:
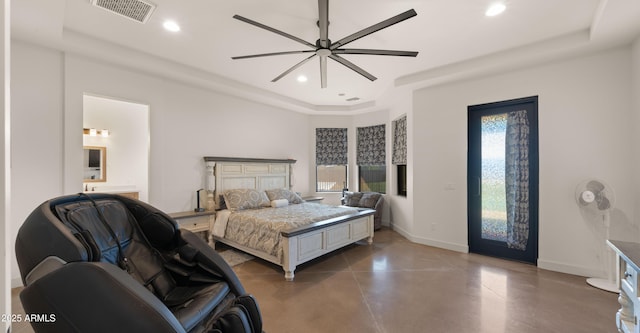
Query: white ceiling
[[454, 37]]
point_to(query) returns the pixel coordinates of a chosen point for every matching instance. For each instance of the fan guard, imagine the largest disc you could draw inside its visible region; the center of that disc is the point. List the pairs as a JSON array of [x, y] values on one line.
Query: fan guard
[[595, 195]]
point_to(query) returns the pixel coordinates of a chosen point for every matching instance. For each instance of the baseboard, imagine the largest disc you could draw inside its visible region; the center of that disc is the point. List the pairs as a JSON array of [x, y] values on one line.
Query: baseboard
[[399, 230], [569, 269], [464, 248], [443, 245]]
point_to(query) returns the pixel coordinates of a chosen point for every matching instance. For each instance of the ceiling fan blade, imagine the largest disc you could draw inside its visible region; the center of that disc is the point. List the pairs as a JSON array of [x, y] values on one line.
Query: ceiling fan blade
[[270, 54], [293, 68], [353, 67], [323, 72], [281, 33], [379, 26], [323, 22], [376, 52]]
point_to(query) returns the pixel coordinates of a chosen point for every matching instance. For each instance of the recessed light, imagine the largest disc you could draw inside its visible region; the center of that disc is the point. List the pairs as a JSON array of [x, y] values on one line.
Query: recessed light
[[495, 9], [302, 78], [171, 26]]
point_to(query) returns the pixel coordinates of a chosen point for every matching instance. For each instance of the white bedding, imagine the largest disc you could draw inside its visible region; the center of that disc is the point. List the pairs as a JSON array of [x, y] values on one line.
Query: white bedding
[[261, 229], [220, 223]]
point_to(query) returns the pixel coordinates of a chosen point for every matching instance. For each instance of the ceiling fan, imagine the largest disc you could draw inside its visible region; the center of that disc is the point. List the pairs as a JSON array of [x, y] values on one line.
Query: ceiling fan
[[324, 48]]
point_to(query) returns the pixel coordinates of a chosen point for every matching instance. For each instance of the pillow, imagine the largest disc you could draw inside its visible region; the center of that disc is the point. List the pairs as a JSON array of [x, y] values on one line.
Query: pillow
[[283, 193], [279, 203], [369, 199], [352, 199], [240, 199]]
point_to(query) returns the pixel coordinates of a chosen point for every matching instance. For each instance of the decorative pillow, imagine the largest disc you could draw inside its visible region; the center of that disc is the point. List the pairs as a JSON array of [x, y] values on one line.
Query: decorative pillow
[[279, 203], [369, 199], [283, 193], [240, 199], [352, 199]]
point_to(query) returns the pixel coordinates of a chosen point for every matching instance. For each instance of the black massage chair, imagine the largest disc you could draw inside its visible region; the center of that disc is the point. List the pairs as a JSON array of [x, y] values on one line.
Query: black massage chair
[[106, 263]]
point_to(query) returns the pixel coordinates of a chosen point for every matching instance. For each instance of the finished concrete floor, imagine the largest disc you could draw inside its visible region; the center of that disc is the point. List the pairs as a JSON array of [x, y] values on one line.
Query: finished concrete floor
[[398, 286]]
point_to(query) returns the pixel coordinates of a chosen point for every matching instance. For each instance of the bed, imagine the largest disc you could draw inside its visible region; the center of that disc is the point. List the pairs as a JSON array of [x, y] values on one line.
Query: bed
[[301, 231]]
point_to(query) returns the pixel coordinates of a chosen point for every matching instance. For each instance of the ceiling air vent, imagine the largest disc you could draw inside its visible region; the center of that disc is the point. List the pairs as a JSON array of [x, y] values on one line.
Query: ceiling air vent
[[137, 10]]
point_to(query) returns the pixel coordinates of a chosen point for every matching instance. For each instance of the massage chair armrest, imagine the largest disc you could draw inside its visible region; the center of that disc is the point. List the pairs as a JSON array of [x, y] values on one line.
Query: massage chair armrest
[[96, 297], [209, 258]]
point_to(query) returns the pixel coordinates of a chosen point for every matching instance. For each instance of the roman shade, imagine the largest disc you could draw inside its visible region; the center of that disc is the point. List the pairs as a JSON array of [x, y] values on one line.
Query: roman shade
[[399, 156], [371, 145], [331, 146]]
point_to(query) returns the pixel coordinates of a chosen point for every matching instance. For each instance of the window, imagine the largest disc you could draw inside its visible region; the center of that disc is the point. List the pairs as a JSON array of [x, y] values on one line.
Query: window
[[402, 179], [399, 157], [371, 157], [331, 159], [331, 178], [373, 178]]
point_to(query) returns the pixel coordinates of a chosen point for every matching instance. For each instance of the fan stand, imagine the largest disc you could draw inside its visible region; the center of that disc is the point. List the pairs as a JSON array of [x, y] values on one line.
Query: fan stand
[[608, 284], [603, 284]]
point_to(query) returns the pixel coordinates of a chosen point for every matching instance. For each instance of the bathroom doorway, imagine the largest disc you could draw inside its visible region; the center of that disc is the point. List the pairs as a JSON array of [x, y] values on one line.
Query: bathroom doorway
[[122, 128]]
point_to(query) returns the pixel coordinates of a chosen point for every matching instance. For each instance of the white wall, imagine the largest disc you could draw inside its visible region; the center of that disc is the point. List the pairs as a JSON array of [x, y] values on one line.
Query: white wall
[[399, 102], [127, 146], [635, 121], [585, 107], [584, 132], [186, 124], [5, 162], [36, 136]]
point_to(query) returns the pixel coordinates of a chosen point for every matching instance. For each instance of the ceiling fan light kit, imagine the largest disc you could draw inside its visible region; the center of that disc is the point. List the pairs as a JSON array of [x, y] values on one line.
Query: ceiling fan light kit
[[324, 48]]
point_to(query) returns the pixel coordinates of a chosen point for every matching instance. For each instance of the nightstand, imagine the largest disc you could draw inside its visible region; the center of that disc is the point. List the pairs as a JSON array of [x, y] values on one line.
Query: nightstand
[[195, 222]]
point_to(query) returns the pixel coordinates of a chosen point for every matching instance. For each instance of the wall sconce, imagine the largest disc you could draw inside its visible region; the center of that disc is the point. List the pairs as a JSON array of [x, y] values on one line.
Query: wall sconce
[[94, 132]]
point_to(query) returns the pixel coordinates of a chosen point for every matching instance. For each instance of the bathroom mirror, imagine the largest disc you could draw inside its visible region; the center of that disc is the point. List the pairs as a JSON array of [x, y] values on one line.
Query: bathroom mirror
[[94, 164]]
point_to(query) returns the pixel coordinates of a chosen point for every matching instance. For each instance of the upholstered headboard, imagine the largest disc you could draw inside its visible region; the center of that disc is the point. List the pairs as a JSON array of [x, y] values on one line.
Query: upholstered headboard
[[226, 173]]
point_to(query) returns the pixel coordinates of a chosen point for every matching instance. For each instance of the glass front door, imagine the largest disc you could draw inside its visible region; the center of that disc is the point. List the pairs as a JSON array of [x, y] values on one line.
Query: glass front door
[[503, 179], [493, 196]]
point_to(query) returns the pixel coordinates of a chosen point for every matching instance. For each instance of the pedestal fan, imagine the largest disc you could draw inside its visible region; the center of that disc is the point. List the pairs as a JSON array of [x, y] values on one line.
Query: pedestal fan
[[596, 200]]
